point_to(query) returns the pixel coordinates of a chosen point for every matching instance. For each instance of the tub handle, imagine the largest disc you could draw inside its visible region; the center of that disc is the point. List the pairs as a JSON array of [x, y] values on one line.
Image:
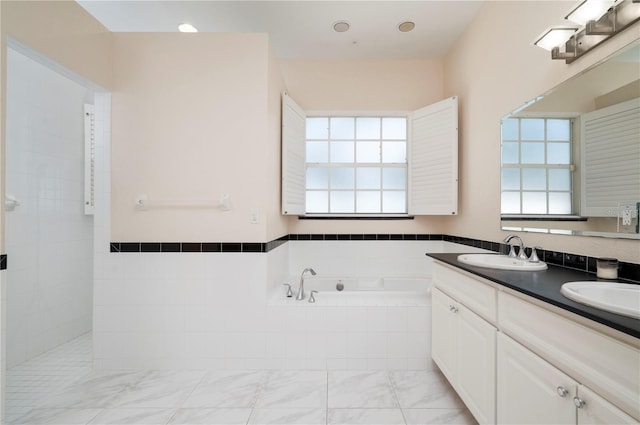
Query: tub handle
[[289, 291], [312, 299]]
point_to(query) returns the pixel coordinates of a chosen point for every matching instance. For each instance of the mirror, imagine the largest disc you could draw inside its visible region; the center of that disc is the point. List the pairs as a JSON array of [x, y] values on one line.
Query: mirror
[[548, 164]]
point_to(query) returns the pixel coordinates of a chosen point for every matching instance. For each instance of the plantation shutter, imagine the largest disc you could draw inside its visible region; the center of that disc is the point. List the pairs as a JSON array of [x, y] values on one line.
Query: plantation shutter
[[433, 164], [610, 136], [293, 157]]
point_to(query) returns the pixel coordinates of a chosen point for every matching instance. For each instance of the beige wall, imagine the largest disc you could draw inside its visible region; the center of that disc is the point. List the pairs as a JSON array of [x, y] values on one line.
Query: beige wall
[[191, 120], [494, 68], [65, 33], [364, 85]]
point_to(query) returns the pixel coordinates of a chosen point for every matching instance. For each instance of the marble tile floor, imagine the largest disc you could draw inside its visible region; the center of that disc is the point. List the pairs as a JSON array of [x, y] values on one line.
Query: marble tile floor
[[247, 397], [27, 384]]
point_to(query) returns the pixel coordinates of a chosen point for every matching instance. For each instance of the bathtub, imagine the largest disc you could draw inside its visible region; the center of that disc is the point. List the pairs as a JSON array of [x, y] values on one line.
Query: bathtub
[[361, 291]]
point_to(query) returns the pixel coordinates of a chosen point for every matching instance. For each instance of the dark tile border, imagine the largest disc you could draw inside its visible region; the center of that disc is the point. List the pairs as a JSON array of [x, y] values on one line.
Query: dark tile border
[[3, 262], [630, 271]]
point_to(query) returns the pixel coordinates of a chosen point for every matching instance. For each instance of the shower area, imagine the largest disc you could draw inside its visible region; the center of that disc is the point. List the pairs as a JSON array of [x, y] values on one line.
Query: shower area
[[49, 232]]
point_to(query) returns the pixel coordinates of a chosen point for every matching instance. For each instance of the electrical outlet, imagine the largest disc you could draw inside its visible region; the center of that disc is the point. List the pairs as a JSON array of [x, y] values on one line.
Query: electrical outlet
[[254, 216]]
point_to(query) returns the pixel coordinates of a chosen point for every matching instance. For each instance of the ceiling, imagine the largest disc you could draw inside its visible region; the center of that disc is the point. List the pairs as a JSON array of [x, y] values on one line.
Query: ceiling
[[304, 29]]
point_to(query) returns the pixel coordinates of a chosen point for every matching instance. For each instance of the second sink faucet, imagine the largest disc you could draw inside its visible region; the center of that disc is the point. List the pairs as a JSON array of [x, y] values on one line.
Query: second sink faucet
[[300, 295], [512, 253]]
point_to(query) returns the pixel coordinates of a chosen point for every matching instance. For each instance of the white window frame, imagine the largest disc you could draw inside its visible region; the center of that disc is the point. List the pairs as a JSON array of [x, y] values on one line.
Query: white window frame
[[381, 165], [432, 159], [571, 167]]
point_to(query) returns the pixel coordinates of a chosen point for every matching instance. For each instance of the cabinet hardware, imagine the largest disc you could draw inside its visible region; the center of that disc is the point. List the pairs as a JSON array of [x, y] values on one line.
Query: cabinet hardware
[[579, 402], [562, 391]]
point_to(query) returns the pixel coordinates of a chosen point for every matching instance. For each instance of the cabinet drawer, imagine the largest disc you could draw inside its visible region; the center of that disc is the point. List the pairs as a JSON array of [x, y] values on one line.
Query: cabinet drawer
[[606, 365], [473, 293]]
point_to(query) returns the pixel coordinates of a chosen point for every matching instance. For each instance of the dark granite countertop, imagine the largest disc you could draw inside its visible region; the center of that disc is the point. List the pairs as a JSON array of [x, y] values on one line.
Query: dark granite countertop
[[545, 286]]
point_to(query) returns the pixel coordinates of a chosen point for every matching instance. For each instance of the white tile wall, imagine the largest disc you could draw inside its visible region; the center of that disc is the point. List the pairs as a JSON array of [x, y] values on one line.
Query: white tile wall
[[48, 237], [212, 311]]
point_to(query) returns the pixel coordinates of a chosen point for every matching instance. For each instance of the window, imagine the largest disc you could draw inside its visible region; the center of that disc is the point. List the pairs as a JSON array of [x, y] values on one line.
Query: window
[[356, 165], [380, 164], [537, 166]]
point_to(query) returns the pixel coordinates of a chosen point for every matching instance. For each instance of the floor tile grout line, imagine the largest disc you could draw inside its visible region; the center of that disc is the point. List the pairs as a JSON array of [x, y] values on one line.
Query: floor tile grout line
[[326, 407]]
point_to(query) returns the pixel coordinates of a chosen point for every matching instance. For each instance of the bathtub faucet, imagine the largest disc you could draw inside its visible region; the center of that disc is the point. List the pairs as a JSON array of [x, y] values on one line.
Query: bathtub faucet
[[300, 295]]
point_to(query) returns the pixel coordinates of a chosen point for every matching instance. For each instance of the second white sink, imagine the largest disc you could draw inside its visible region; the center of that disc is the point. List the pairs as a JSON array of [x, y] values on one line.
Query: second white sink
[[501, 262], [616, 297]]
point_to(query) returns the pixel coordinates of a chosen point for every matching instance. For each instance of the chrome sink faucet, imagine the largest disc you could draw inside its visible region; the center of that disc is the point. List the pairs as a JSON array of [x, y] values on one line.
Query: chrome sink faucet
[[512, 253], [301, 295]]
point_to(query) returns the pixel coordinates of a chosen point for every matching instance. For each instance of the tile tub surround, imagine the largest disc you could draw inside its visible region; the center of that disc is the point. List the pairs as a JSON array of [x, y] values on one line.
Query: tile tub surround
[[211, 310], [253, 397]]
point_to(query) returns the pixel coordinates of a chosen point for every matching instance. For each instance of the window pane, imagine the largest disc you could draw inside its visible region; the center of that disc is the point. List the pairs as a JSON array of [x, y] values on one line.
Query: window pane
[[510, 129], [559, 203], [534, 202], [367, 128], [341, 151], [317, 178], [510, 179], [394, 178], [394, 152], [560, 179], [394, 202], [558, 153], [510, 153], [317, 128], [342, 128], [533, 153], [317, 202], [532, 129], [317, 152], [342, 202], [368, 202], [559, 130], [534, 178], [510, 203], [368, 178], [368, 152], [394, 128], [342, 178]]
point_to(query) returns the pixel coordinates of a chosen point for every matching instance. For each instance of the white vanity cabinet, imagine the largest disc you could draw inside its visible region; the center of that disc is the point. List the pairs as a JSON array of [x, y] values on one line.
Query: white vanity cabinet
[[514, 359], [532, 391], [464, 344]]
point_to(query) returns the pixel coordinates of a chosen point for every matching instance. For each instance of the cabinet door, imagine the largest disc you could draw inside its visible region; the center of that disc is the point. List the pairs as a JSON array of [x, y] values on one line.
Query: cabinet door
[[443, 333], [476, 365], [530, 390], [594, 410]]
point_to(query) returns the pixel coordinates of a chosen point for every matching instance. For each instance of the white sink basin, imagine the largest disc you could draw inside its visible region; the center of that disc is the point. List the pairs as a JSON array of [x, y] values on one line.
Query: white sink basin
[[616, 297], [501, 262]]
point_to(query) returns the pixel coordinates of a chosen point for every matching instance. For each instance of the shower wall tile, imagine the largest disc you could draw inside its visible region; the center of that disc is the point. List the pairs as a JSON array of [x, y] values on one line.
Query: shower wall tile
[[48, 237]]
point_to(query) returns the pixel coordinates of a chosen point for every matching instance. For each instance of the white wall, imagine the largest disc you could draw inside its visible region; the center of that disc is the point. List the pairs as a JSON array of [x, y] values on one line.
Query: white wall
[[48, 237], [224, 311], [195, 116]]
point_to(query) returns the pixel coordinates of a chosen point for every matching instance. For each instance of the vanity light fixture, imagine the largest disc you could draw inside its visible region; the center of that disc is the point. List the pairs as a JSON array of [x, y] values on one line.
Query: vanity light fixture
[[600, 24], [555, 36], [589, 10], [406, 26], [185, 27], [341, 26]]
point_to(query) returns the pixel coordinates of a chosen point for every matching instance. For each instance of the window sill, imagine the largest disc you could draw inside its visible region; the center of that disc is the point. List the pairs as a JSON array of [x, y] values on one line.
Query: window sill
[[355, 217], [506, 217]]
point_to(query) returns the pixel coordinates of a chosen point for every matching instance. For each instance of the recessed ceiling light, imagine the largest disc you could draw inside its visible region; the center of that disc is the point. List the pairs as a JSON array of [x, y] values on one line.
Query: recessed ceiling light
[[184, 27], [341, 26], [406, 26]]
